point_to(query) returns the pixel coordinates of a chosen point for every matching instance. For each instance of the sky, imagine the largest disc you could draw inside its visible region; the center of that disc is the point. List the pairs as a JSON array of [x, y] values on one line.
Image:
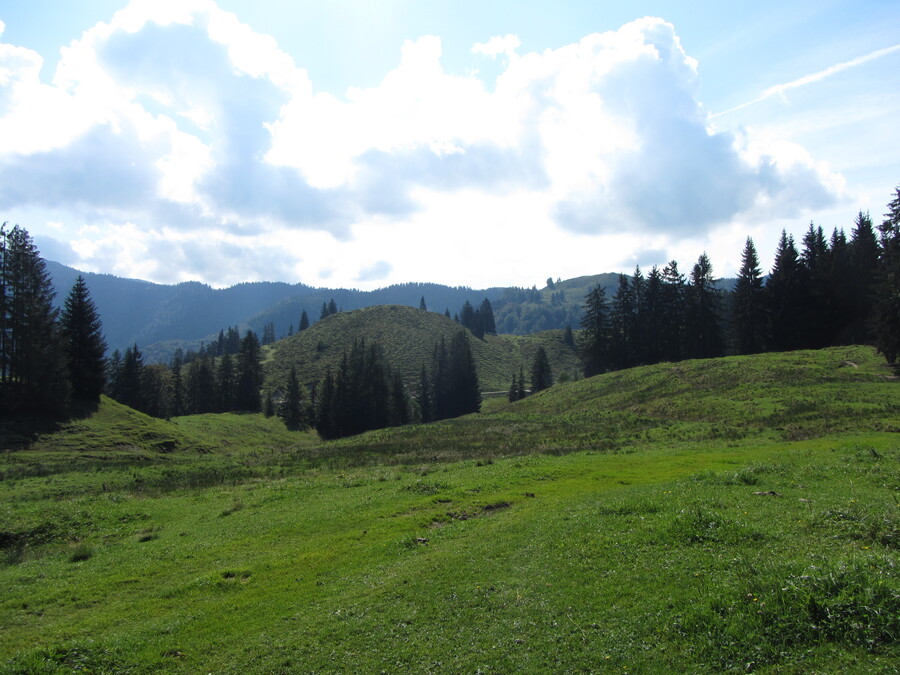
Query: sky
[[360, 144]]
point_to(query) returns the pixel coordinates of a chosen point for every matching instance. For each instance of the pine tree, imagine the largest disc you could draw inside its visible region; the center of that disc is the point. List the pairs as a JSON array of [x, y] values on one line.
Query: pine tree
[[399, 408], [422, 304], [304, 321], [786, 298], [513, 393], [465, 392], [672, 316], [651, 312], [486, 314], [594, 347], [225, 384], [521, 392], [623, 315], [814, 259], [292, 405], [32, 353], [748, 317], [85, 346], [568, 337], [130, 385], [177, 385], [864, 262], [703, 332], [887, 305], [426, 400], [249, 378], [541, 374]]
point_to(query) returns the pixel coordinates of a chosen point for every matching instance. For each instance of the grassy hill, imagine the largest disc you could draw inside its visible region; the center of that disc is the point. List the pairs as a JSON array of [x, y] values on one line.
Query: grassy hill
[[408, 337], [713, 516]]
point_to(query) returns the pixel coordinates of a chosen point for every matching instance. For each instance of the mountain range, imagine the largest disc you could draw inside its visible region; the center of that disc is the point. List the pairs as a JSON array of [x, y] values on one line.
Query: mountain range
[[160, 318]]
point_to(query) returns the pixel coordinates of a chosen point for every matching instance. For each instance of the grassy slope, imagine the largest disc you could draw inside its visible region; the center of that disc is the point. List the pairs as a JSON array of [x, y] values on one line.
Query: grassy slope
[[408, 337], [611, 523]]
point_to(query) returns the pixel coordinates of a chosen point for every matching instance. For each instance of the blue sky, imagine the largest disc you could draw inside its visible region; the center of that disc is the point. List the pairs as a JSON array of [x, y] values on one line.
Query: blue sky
[[360, 144]]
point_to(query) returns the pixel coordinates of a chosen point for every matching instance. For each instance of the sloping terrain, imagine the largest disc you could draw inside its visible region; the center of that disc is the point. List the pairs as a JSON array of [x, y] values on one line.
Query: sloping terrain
[[732, 515], [407, 337]]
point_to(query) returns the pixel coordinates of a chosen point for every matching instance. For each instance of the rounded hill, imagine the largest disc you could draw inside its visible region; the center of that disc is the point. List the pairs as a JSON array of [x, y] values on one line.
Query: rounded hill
[[407, 337]]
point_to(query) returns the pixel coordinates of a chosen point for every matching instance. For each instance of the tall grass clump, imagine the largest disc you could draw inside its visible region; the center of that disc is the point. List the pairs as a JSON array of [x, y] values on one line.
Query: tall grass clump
[[782, 609]]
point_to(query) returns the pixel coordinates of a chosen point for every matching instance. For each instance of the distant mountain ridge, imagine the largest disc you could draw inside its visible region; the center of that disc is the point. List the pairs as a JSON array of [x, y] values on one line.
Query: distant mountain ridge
[[160, 318]]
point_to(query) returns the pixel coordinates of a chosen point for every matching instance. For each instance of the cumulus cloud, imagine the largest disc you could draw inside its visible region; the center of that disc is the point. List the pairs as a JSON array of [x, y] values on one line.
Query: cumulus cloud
[[175, 133]]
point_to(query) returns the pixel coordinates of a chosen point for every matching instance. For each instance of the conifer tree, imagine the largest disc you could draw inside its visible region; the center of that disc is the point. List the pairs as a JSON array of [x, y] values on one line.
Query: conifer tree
[[513, 393], [249, 378], [521, 392], [85, 346], [129, 386], [422, 304], [651, 313], [887, 306], [304, 321], [748, 317], [292, 405], [225, 384], [541, 374], [594, 347], [426, 401], [703, 332], [568, 337], [399, 408], [672, 304], [32, 354], [465, 395], [177, 385], [786, 298], [622, 326], [486, 314], [861, 281]]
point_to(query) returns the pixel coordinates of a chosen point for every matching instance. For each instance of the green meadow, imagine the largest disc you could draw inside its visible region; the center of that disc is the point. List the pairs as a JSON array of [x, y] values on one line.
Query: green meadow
[[728, 515]]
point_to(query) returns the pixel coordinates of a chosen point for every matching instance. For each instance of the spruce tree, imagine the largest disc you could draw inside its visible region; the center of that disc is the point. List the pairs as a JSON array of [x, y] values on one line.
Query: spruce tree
[[672, 315], [426, 400], [786, 296], [887, 305], [513, 394], [465, 392], [32, 353], [292, 405], [85, 346], [594, 347], [748, 315], [131, 379], [703, 334], [568, 337], [177, 385], [225, 384], [422, 304], [623, 315], [521, 392], [304, 321], [250, 377], [861, 281], [486, 314], [541, 374]]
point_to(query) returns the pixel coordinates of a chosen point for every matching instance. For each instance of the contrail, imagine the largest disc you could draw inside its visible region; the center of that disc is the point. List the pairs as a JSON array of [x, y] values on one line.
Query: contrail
[[780, 89]]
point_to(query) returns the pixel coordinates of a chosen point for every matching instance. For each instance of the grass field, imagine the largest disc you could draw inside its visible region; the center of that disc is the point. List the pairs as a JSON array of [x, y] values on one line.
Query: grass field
[[735, 515]]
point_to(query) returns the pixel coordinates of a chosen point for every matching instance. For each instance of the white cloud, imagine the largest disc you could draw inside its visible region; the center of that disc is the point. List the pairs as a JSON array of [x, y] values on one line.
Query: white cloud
[[174, 126]]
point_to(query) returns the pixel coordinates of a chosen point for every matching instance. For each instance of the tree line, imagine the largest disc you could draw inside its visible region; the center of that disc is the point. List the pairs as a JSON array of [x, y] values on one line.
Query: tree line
[[831, 291]]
